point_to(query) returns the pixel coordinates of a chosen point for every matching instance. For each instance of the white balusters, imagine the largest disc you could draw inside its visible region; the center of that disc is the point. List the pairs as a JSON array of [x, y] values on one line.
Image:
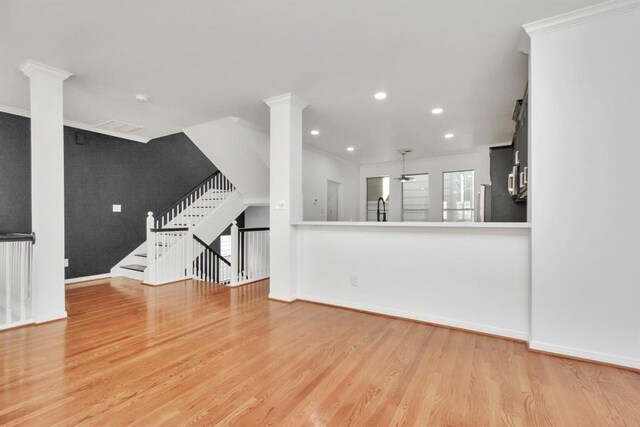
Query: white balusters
[[16, 257], [249, 254], [235, 252], [198, 204]]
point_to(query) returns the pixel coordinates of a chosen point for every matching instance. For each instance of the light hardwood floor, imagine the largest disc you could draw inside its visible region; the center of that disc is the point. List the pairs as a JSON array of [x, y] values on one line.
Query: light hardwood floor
[[203, 354]]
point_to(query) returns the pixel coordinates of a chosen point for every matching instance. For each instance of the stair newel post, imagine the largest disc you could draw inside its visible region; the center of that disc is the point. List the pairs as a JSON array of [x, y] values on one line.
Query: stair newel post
[[149, 272], [190, 253], [235, 256]]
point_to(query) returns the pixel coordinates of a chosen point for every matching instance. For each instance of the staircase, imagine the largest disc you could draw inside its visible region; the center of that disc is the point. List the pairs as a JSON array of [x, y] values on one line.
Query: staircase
[[176, 247]]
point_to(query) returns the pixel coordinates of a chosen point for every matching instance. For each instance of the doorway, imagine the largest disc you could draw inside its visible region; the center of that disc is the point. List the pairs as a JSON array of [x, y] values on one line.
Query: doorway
[[333, 196]]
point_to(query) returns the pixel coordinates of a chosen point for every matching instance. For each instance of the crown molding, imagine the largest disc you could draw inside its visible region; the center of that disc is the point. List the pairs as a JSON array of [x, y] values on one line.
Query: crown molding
[[77, 125], [31, 67], [580, 16], [286, 97], [246, 123]]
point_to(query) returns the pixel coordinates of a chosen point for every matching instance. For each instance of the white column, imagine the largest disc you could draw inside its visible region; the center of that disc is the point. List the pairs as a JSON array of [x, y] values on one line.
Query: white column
[[47, 189], [285, 192]]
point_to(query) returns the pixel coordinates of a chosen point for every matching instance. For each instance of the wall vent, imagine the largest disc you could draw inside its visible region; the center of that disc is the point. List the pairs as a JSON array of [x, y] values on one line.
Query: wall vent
[[118, 126]]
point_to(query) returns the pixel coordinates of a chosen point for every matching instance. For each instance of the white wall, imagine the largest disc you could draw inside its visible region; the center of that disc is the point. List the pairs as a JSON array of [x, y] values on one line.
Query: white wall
[[256, 217], [239, 150], [434, 166], [473, 278], [317, 168], [585, 147]]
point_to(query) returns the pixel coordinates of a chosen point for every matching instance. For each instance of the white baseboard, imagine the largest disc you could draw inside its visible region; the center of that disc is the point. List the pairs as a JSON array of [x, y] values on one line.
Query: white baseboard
[[48, 317], [16, 324], [283, 298], [436, 320], [585, 354], [87, 278]]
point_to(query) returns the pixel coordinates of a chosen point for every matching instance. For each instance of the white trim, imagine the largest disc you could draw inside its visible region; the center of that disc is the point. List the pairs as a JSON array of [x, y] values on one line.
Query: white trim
[[287, 97], [246, 282], [16, 324], [246, 123], [290, 298], [472, 225], [580, 16], [321, 152], [182, 279], [256, 201], [77, 125], [48, 317], [585, 354], [436, 320], [30, 67], [88, 278]]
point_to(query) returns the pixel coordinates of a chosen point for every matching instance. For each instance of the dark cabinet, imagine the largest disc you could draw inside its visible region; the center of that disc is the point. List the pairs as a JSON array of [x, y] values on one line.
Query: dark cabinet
[[510, 171]]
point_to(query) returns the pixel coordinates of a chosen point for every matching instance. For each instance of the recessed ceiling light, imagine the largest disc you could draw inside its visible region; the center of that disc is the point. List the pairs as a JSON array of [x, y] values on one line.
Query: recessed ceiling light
[[141, 97], [380, 95], [350, 148], [448, 135], [437, 111], [315, 132]]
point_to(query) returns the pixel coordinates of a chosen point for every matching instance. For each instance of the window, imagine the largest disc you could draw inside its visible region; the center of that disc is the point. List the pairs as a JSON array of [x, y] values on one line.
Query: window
[[376, 188], [457, 196], [415, 198]]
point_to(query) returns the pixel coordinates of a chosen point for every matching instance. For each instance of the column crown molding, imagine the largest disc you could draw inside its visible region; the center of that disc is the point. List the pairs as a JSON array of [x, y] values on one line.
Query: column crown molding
[[286, 97], [31, 67], [580, 16]]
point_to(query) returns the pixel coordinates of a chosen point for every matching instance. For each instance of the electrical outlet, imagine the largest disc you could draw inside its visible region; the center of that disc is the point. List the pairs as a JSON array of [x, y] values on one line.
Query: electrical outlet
[[280, 204], [117, 208], [355, 280], [66, 262]]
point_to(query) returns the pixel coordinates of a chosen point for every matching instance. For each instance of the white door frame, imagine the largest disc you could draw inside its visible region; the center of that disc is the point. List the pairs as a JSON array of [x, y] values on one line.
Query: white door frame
[[326, 199]]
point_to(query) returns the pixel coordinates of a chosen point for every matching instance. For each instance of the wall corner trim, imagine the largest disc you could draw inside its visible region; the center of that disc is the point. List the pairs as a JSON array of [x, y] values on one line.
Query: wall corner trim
[[580, 16]]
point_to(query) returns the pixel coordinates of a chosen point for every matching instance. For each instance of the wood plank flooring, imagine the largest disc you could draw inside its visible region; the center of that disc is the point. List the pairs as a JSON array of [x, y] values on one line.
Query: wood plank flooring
[[203, 354]]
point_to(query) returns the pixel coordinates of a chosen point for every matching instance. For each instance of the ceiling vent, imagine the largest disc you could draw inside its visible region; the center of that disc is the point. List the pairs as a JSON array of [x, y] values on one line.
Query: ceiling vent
[[118, 126]]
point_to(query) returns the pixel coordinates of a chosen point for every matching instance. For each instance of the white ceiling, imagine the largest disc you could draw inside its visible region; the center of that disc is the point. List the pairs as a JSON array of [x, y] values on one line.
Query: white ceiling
[[200, 60]]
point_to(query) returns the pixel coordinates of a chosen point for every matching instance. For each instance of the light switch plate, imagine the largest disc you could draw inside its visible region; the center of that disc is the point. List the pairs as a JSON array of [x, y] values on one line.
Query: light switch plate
[[66, 262], [280, 204], [117, 208]]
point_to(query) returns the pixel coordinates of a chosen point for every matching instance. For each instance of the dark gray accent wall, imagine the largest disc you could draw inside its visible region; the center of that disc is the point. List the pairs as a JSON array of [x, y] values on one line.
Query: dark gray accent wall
[[100, 171], [503, 208], [15, 174]]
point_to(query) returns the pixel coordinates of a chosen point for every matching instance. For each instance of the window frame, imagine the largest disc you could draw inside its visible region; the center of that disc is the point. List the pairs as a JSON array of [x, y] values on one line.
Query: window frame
[[473, 202], [428, 197], [366, 196]]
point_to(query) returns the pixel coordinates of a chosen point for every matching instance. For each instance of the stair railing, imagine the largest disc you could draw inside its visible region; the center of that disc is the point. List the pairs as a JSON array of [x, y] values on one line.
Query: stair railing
[[16, 293], [169, 253], [250, 255], [209, 265], [197, 203]]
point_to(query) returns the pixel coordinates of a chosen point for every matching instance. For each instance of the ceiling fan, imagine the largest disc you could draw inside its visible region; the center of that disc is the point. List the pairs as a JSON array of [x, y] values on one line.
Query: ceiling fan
[[404, 178]]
